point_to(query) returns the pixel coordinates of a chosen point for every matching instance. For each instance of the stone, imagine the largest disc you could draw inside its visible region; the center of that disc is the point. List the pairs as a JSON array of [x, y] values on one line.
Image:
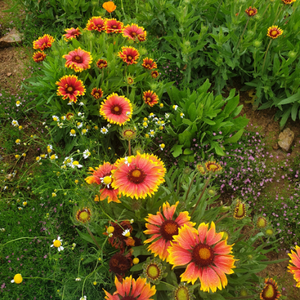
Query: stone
[[12, 38], [286, 138]]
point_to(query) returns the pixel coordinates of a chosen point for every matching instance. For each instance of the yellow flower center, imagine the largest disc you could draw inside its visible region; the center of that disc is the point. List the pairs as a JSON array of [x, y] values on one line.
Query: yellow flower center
[[136, 173], [101, 65], [110, 229], [73, 131], [204, 253], [269, 291], [70, 89], [107, 180], [273, 32], [128, 133], [148, 99], [129, 57], [18, 278], [57, 243], [77, 58], [153, 271], [116, 108], [261, 223], [182, 293], [114, 26], [269, 232], [84, 216]]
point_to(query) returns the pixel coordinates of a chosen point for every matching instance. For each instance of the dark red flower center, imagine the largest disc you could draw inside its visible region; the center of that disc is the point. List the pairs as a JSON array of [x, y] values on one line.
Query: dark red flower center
[[77, 58], [168, 228], [148, 99], [116, 110], [114, 26], [128, 298], [99, 26], [203, 255], [70, 89], [129, 57], [136, 176], [133, 33]]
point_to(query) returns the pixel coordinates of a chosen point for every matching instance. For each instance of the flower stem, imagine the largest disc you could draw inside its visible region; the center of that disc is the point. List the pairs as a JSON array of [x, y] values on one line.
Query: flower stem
[[92, 236], [205, 186], [44, 278], [262, 69], [129, 148], [212, 23], [188, 191], [241, 36], [223, 217]]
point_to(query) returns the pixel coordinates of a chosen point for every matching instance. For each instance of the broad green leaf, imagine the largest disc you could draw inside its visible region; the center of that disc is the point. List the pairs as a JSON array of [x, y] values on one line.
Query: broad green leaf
[[176, 150]]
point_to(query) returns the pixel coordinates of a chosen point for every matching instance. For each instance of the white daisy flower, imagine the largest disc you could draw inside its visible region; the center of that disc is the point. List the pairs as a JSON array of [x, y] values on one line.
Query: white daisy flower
[[68, 161], [175, 107], [81, 103], [181, 115], [15, 123], [86, 153], [104, 130], [83, 298], [72, 132], [75, 163], [127, 161], [79, 125], [18, 103], [167, 115], [58, 244], [126, 233], [106, 180], [84, 131], [78, 279], [55, 118], [152, 133]]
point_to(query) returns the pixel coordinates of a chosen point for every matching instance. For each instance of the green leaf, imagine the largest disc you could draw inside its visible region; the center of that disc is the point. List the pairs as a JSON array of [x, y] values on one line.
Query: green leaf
[[176, 150], [192, 112], [234, 138], [188, 151], [209, 122]]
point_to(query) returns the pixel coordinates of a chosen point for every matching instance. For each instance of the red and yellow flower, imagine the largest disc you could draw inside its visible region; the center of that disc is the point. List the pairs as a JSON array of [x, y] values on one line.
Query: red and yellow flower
[[206, 255], [70, 87], [102, 64], [43, 42], [116, 109], [142, 37], [212, 166], [294, 266], [129, 55], [113, 26], [39, 56], [78, 60], [133, 31], [95, 23], [102, 176], [251, 11], [109, 6], [97, 93], [120, 264], [154, 74], [83, 215], [288, 1], [150, 98], [149, 63], [163, 228], [71, 33], [270, 290], [274, 32], [130, 288], [138, 176]]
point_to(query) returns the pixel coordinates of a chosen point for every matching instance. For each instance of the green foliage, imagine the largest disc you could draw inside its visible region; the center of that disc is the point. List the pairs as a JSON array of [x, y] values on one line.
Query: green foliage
[[218, 40], [210, 120]]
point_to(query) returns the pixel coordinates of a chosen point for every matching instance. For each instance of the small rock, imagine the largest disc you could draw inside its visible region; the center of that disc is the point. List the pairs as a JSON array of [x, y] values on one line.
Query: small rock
[[286, 138], [13, 37], [8, 74]]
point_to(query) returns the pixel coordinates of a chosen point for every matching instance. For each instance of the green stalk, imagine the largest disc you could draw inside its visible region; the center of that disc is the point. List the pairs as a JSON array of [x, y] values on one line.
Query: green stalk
[[241, 36], [262, 70], [206, 184], [212, 23], [92, 236]]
